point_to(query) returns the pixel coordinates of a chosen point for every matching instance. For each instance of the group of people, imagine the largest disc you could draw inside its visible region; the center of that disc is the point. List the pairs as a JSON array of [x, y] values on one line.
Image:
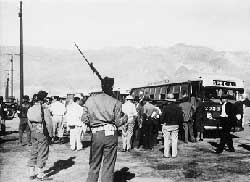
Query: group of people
[[139, 121]]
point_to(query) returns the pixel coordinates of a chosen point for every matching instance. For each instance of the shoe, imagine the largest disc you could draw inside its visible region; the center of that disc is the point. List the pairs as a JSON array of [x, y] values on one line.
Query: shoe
[[129, 150], [201, 139], [231, 150], [123, 150], [32, 177], [166, 156]]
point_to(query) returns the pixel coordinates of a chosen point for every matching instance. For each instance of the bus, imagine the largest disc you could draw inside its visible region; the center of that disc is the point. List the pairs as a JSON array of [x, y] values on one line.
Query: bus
[[210, 89]]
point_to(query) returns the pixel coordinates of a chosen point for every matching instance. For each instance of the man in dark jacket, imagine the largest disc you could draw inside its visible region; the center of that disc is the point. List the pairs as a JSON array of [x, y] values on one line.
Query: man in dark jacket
[[228, 122], [170, 120]]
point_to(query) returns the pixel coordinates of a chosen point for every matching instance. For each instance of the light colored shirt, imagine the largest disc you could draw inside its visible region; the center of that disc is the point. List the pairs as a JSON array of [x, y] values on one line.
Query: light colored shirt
[[102, 108], [57, 108], [129, 109], [74, 114]]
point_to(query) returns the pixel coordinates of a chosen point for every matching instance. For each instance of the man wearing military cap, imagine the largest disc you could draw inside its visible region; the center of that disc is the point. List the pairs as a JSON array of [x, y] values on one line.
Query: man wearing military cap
[[23, 125], [39, 136], [103, 114]]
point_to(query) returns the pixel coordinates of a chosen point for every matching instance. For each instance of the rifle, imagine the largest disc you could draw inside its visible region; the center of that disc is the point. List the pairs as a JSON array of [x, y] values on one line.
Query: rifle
[[90, 64]]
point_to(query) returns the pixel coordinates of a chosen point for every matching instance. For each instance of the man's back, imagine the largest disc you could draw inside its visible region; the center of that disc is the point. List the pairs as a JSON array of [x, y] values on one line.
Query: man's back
[[129, 109], [103, 108], [187, 110], [57, 108]]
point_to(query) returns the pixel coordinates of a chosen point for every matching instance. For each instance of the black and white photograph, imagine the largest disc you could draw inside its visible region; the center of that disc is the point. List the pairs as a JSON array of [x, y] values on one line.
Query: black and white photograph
[[125, 90]]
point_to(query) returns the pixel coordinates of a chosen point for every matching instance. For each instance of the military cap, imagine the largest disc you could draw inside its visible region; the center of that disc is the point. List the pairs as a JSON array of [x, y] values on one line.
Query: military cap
[[108, 81]]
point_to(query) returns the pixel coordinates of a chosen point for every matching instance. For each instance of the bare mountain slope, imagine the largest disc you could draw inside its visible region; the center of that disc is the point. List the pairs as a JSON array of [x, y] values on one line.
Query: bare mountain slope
[[63, 71]]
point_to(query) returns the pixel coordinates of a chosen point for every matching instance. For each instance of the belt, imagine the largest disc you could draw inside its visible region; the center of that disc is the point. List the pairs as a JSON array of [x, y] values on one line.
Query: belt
[[105, 127]]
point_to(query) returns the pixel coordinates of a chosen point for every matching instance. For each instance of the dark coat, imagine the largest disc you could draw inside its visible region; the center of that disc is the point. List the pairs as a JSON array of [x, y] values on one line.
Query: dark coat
[[171, 114]]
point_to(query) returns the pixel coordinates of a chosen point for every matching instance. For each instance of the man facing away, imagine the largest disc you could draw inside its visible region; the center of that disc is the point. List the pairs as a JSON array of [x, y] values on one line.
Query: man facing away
[[23, 125], [129, 108], [73, 116], [170, 120], [148, 109], [57, 110], [188, 122], [104, 116]]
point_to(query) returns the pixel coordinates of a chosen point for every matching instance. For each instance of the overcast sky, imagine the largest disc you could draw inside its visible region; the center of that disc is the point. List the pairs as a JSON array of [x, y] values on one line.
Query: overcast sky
[[218, 24]]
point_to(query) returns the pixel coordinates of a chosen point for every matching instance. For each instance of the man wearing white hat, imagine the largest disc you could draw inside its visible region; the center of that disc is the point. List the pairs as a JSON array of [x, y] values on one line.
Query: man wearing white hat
[[129, 108]]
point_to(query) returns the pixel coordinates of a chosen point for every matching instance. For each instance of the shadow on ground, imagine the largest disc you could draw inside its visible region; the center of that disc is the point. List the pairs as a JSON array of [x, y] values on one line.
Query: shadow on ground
[[123, 175], [59, 166], [8, 133], [245, 146]]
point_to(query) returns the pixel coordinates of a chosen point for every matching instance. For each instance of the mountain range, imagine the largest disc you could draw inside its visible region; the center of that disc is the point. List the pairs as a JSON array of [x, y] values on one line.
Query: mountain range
[[65, 71]]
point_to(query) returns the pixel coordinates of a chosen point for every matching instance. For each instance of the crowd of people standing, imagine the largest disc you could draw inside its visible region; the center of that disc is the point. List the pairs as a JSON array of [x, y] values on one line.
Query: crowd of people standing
[[139, 120]]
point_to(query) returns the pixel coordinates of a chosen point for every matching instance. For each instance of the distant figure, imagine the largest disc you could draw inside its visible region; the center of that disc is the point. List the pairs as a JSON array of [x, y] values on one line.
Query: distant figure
[[57, 110], [228, 122], [39, 137], [138, 141], [148, 110], [188, 122], [200, 115], [23, 125], [156, 124], [129, 108], [73, 116], [104, 116], [170, 120]]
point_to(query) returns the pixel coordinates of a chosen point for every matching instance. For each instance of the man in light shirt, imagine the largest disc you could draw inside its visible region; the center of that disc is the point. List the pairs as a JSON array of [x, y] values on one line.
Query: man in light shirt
[[73, 115], [129, 108], [57, 110]]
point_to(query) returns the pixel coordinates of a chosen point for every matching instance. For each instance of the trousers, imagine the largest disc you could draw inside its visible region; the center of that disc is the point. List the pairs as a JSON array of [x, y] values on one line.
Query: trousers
[[170, 134], [188, 129], [40, 149], [103, 150], [57, 122], [148, 139], [23, 126], [75, 137]]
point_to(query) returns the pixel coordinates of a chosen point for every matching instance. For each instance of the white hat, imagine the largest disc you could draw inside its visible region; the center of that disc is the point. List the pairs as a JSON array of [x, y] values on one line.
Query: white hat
[[129, 97]]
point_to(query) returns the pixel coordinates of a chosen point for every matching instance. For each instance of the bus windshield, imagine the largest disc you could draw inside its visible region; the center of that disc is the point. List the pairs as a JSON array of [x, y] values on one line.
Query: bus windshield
[[218, 92]]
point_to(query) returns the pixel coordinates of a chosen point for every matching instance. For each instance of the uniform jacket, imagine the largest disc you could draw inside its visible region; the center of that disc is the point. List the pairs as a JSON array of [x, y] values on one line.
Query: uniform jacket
[[101, 109]]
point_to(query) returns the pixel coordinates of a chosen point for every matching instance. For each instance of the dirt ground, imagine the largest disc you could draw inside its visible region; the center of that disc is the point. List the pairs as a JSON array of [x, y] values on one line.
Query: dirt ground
[[195, 161]]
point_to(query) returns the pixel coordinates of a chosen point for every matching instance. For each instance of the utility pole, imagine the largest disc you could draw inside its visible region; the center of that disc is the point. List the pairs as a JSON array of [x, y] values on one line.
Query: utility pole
[[21, 52], [12, 72]]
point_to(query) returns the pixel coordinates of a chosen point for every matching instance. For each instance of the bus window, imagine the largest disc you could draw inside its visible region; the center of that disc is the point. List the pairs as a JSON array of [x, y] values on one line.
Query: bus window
[[157, 93], [184, 90]]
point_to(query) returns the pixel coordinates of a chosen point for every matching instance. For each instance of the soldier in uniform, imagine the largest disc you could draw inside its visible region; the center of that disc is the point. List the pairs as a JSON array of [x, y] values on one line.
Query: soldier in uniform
[[23, 125], [39, 136], [103, 114]]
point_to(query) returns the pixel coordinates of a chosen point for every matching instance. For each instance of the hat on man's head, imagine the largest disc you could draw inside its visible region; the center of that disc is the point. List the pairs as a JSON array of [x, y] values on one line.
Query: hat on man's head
[[129, 97], [107, 81], [41, 95]]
